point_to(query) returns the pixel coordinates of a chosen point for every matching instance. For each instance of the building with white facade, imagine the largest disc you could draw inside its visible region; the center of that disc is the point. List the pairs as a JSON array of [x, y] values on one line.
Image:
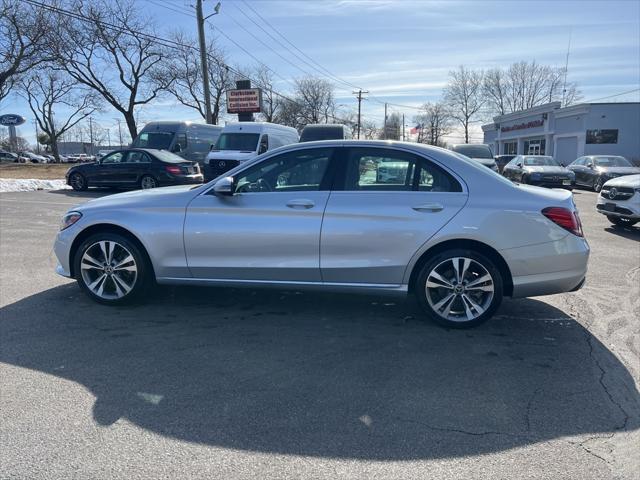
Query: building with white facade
[[568, 133]]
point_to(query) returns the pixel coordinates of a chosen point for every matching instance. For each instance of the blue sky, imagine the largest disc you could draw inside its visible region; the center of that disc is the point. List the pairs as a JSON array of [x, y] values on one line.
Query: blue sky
[[401, 51]]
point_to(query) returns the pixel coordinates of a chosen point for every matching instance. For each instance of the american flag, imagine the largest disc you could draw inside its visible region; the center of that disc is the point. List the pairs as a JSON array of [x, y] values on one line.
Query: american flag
[[416, 129]]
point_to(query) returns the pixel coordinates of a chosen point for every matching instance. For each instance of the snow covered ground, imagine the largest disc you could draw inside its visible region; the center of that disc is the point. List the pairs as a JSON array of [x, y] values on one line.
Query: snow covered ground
[[30, 184]]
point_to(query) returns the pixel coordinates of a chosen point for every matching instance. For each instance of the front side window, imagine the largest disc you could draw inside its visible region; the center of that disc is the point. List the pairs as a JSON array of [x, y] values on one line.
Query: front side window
[[602, 136], [297, 171], [243, 142], [155, 140], [113, 158]]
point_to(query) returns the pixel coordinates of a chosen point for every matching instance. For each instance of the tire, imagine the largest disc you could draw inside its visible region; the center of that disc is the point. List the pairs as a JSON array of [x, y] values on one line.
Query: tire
[[147, 182], [126, 278], [524, 179], [468, 307], [597, 184], [622, 222], [78, 182]]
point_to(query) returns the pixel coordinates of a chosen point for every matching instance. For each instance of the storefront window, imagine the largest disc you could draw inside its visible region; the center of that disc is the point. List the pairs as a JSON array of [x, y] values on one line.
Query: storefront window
[[510, 148], [602, 136]]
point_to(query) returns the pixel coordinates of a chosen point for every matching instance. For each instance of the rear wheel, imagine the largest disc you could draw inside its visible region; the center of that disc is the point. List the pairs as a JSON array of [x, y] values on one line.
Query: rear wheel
[[78, 182], [147, 181], [111, 269], [622, 222], [459, 288]]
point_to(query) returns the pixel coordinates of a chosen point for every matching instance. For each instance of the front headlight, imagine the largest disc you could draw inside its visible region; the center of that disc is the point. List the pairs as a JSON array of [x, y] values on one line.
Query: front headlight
[[69, 219], [571, 175]]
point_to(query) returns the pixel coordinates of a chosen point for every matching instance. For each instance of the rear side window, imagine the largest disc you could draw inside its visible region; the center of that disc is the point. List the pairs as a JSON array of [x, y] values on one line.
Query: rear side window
[[377, 169]]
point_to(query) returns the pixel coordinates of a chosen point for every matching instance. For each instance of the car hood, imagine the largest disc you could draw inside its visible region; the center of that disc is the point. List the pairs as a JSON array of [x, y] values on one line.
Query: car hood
[[545, 169], [619, 170], [230, 155], [175, 196], [631, 181], [485, 161]]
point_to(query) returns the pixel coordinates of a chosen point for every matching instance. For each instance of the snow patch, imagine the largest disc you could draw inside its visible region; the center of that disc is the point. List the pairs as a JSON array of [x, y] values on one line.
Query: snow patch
[[30, 184]]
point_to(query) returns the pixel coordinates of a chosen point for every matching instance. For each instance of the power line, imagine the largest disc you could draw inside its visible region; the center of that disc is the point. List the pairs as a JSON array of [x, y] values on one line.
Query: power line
[[612, 96]]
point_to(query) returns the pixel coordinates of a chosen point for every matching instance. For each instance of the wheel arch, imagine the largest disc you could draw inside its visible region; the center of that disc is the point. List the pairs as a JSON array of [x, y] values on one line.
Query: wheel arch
[[467, 244], [102, 228]]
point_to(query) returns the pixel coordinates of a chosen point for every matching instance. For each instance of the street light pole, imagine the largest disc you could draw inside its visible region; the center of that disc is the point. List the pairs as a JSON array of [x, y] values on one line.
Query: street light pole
[[203, 58]]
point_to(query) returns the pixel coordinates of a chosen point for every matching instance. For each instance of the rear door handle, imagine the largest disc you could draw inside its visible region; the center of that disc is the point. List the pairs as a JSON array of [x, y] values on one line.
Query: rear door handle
[[300, 204], [428, 207]]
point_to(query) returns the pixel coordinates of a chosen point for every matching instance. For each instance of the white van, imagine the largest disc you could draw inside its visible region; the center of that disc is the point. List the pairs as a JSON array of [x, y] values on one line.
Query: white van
[[242, 141]]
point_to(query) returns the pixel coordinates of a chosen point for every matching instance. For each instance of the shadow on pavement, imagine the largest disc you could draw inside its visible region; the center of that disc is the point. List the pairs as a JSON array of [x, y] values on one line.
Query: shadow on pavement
[[324, 375], [632, 233], [93, 193]]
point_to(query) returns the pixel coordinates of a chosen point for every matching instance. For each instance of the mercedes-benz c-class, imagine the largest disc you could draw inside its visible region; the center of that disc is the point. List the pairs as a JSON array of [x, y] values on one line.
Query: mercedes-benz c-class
[[361, 216]]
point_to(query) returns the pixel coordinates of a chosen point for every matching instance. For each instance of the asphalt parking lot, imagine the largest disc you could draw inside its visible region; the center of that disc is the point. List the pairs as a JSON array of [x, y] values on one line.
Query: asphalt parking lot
[[225, 383]]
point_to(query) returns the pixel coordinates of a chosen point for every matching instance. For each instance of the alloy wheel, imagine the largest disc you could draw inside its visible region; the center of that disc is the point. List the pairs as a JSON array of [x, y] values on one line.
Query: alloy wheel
[[148, 182], [77, 181], [109, 270], [459, 289]]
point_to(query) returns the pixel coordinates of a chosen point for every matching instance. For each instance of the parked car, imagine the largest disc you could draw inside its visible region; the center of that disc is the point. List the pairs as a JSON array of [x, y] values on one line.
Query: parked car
[[540, 170], [502, 160], [102, 153], [619, 200], [138, 167], [8, 157], [479, 152], [33, 158], [242, 141], [325, 131], [593, 171], [309, 216], [191, 141]]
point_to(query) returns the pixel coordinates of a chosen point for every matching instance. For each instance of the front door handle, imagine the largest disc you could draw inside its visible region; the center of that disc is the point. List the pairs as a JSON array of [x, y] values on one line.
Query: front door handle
[[428, 207], [301, 204]]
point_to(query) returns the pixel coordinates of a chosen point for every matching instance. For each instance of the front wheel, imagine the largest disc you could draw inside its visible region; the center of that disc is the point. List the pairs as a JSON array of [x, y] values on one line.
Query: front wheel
[[459, 288], [597, 185], [78, 182], [111, 269], [621, 221]]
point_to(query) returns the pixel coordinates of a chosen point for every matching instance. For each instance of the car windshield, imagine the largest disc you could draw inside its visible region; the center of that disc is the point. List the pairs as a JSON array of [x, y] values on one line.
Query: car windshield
[[612, 162], [244, 142], [474, 151], [539, 161], [156, 140]]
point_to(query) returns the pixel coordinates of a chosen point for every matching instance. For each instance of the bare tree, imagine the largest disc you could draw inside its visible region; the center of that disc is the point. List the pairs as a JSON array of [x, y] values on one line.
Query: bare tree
[[369, 130], [435, 122], [181, 73], [463, 95], [119, 62], [54, 91], [393, 127], [525, 85], [22, 36], [264, 79], [316, 97]]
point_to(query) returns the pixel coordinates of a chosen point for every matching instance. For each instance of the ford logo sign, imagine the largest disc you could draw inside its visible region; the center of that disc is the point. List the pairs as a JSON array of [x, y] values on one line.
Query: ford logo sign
[[11, 119]]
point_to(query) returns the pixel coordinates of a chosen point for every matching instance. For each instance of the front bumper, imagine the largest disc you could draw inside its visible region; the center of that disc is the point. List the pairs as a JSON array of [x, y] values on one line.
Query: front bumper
[[549, 183], [215, 168], [620, 208]]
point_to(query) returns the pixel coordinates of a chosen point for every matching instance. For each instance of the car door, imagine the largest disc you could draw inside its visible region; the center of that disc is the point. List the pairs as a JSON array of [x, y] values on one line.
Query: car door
[[269, 229], [105, 171], [136, 164], [385, 204]]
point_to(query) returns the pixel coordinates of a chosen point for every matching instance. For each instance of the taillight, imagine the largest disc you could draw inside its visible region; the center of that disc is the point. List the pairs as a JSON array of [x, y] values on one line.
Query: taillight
[[565, 218], [173, 169]]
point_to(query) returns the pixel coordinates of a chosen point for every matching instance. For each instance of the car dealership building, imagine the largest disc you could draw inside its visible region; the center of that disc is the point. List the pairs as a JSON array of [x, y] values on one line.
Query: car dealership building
[[568, 133]]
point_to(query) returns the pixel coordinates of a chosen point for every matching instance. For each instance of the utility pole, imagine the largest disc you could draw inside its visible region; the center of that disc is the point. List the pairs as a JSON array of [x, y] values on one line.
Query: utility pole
[[359, 93], [119, 132], [403, 127], [203, 57], [90, 136], [384, 129]]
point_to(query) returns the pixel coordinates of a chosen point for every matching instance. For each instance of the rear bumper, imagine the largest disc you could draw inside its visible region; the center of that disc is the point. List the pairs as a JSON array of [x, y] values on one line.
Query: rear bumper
[[182, 180], [548, 268]]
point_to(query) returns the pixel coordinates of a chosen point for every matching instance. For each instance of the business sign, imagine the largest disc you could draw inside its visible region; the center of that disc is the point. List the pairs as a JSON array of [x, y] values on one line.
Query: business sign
[[11, 120], [523, 126], [248, 100]]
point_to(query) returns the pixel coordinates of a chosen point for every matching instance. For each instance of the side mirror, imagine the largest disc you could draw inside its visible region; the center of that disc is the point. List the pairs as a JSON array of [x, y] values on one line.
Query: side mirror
[[177, 148], [590, 165], [224, 187]]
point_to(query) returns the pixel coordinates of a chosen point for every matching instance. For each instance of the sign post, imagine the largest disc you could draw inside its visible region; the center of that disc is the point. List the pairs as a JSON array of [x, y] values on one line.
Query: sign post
[[11, 121], [244, 100]]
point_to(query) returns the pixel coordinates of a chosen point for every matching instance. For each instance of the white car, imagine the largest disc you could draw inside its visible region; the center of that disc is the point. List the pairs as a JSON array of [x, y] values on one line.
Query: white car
[[619, 200]]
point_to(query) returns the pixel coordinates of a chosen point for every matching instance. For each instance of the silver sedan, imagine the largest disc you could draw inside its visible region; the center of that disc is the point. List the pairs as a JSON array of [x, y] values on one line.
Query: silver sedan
[[365, 216]]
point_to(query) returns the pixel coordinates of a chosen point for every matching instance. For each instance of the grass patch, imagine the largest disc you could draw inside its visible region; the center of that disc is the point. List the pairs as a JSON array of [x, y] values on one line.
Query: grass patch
[[41, 171]]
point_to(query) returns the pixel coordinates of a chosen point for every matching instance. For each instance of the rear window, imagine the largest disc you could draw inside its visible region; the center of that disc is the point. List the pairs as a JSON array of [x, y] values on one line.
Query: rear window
[[474, 151], [168, 157]]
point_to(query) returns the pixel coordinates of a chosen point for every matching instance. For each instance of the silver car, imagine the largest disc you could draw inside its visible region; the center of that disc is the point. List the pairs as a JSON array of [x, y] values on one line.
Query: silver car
[[319, 215]]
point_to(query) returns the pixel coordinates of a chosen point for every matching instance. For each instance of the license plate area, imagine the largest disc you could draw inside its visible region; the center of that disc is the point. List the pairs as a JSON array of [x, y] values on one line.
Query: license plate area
[[566, 182]]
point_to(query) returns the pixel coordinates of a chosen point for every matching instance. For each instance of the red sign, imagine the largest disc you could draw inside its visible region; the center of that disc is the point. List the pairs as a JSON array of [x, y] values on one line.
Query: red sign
[[522, 126], [244, 101]]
